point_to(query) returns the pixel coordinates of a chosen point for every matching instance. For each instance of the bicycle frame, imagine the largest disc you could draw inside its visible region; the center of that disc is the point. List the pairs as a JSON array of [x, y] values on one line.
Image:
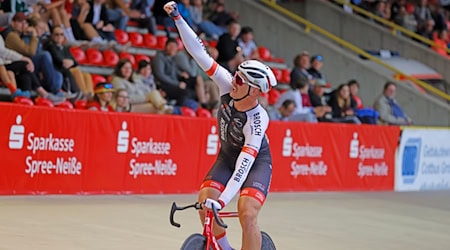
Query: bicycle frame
[[211, 215], [207, 228]]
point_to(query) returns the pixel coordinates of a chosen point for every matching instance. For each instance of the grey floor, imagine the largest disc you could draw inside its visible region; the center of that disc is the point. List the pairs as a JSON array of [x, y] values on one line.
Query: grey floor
[[294, 220]]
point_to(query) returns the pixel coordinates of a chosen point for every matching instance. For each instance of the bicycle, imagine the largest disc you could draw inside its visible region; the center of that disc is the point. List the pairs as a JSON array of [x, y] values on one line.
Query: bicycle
[[207, 239]]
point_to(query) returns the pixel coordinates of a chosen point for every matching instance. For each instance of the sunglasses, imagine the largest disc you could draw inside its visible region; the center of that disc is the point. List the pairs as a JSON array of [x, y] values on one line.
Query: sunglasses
[[58, 34], [240, 80]]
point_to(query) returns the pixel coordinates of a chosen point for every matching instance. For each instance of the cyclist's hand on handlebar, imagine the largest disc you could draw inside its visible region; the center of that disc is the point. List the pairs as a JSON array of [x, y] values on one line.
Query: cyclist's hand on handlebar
[[172, 9], [217, 204]]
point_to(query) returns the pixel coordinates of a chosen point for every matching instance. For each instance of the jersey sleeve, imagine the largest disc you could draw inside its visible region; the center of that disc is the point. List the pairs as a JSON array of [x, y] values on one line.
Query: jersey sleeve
[[254, 132], [196, 48]]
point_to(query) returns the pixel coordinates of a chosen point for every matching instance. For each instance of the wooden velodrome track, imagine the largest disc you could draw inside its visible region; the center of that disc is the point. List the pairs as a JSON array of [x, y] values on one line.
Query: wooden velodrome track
[[385, 220]]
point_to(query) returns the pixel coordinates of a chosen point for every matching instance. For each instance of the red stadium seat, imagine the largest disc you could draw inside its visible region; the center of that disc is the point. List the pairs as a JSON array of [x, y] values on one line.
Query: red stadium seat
[[80, 104], [40, 101], [150, 41], [277, 73], [136, 39], [121, 36], [97, 78], [94, 57], [110, 57], [65, 105], [128, 56], [78, 54], [202, 112], [273, 96], [185, 111], [23, 100], [161, 41], [139, 58], [264, 53], [213, 43], [286, 76]]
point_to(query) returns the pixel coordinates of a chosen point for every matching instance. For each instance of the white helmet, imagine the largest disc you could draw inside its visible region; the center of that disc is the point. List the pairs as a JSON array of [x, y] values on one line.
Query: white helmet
[[258, 74]]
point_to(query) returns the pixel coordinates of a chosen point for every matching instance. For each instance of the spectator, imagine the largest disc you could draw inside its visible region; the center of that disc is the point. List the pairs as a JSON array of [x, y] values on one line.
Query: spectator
[[120, 101], [24, 39], [390, 111], [118, 13], [300, 70], [354, 88], [140, 12], [321, 108], [98, 17], [188, 71], [406, 18], [316, 66], [221, 17], [230, 55], [74, 79], [83, 30], [102, 97], [341, 105], [203, 25], [142, 98], [165, 71], [423, 14], [247, 44], [300, 113], [441, 41], [427, 29], [161, 16], [282, 113]]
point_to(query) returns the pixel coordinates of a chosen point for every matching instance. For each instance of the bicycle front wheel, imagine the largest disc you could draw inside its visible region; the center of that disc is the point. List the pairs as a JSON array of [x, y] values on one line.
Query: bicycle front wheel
[[267, 243], [194, 242]]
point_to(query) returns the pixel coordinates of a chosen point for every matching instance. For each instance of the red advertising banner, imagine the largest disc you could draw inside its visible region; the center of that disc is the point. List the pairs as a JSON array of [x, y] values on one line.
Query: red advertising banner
[[57, 151], [310, 157]]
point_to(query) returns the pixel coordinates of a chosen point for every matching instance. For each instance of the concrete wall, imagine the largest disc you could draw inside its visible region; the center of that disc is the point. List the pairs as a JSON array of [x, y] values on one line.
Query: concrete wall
[[286, 39], [369, 35]]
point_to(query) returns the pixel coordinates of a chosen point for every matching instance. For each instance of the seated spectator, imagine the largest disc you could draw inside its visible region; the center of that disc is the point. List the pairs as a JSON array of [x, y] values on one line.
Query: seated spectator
[[97, 16], [283, 112], [82, 29], [300, 70], [441, 41], [166, 74], [120, 101], [300, 113], [341, 105], [142, 98], [140, 12], [427, 30], [161, 16], [74, 79], [118, 13], [316, 66], [406, 17], [321, 108], [390, 111], [354, 88], [102, 97], [188, 70], [247, 44], [221, 17], [24, 39], [23, 77], [203, 25], [230, 55]]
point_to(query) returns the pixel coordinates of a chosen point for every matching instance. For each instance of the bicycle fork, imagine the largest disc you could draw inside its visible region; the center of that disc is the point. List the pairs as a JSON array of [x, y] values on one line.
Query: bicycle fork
[[208, 231]]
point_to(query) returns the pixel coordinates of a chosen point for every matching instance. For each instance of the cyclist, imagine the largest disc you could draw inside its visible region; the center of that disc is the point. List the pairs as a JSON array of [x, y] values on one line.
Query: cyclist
[[244, 162]]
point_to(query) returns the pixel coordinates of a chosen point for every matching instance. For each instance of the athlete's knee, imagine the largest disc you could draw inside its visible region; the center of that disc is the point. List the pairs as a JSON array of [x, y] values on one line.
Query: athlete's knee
[[248, 212]]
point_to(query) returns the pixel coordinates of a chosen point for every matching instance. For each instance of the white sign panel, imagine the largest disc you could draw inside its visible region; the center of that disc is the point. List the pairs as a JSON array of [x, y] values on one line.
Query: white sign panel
[[423, 160]]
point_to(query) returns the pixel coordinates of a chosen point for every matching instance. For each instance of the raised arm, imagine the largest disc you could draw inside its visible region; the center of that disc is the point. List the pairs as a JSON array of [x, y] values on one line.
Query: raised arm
[[196, 48]]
